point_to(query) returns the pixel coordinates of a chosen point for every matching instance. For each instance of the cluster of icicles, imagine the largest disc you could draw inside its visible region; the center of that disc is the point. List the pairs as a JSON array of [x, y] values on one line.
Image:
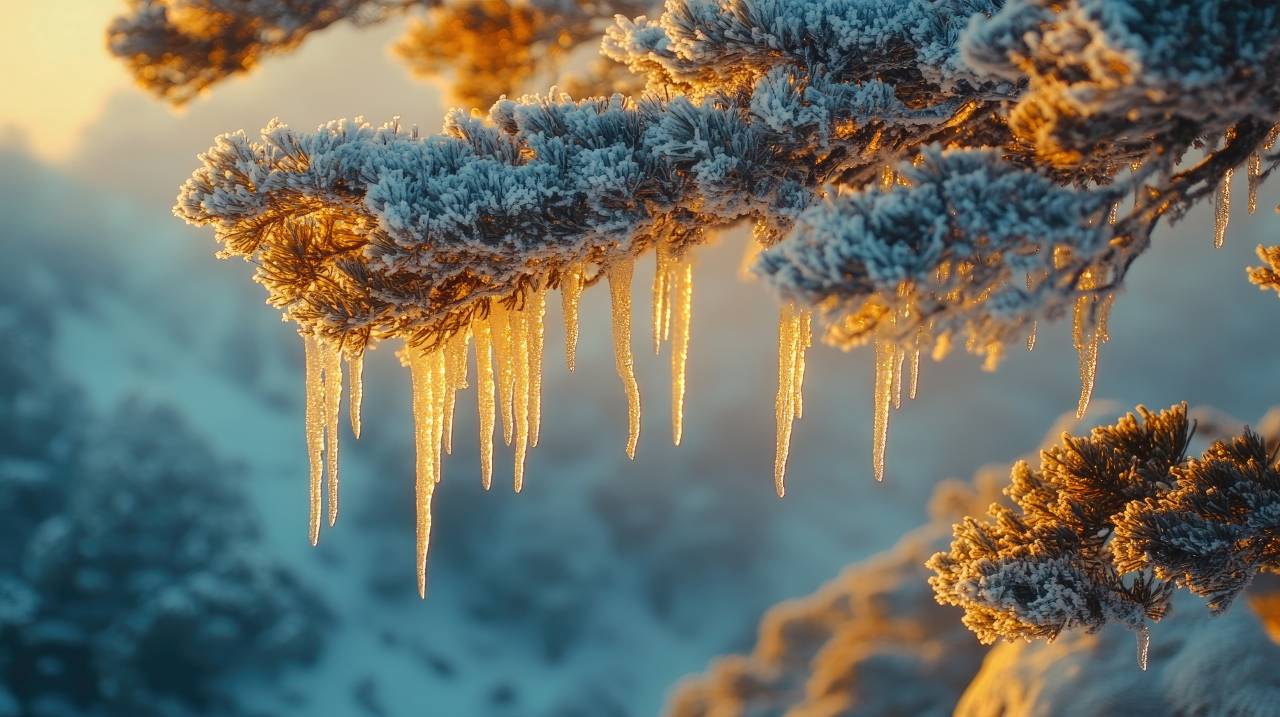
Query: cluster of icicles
[[507, 346]]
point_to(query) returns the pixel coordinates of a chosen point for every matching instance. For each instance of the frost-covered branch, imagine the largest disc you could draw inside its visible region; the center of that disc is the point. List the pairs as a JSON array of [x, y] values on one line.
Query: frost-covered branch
[[920, 174], [177, 49], [1108, 526]]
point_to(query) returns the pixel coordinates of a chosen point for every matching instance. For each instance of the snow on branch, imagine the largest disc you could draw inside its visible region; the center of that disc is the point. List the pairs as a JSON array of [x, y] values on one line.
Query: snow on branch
[[1109, 525], [177, 49], [919, 173]]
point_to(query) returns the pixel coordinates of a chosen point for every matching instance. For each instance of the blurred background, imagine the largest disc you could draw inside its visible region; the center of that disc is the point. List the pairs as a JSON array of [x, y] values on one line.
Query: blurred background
[[153, 498]]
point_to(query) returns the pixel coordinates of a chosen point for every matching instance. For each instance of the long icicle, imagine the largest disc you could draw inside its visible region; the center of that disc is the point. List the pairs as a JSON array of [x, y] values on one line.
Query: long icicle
[[1144, 647], [537, 338], [570, 294], [661, 294], [453, 381], [620, 274], [520, 343], [1222, 210], [484, 398], [500, 324], [439, 395], [420, 369], [886, 359], [1089, 329], [900, 357], [355, 369], [783, 408], [314, 409], [332, 357], [915, 362], [804, 339], [1255, 180], [680, 345]]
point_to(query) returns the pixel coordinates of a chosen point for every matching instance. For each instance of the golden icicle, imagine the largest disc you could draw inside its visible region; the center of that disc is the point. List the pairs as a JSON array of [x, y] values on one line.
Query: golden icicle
[[332, 358], [620, 274], [680, 345], [1031, 337], [520, 342], [484, 398], [570, 294], [783, 410], [804, 339], [886, 360], [915, 362], [500, 324], [1085, 335], [661, 294], [439, 392], [421, 365], [1144, 647], [537, 338], [1222, 210], [900, 357], [314, 409], [1255, 177], [355, 369], [455, 358]]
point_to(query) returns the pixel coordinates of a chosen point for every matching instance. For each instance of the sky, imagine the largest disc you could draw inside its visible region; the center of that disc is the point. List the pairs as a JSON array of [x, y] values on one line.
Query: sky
[[44, 44], [66, 91]]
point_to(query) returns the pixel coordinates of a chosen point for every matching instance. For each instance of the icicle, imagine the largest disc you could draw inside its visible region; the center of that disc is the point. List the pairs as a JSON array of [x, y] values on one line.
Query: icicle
[[537, 338], [1144, 647], [886, 359], [1088, 330], [355, 369], [915, 363], [899, 356], [1114, 215], [1255, 180], [570, 293], [439, 389], [332, 359], [661, 296], [314, 430], [1222, 210], [1031, 337], [420, 369], [500, 325], [783, 410], [455, 378], [804, 339], [620, 294], [484, 398], [680, 346], [520, 342]]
